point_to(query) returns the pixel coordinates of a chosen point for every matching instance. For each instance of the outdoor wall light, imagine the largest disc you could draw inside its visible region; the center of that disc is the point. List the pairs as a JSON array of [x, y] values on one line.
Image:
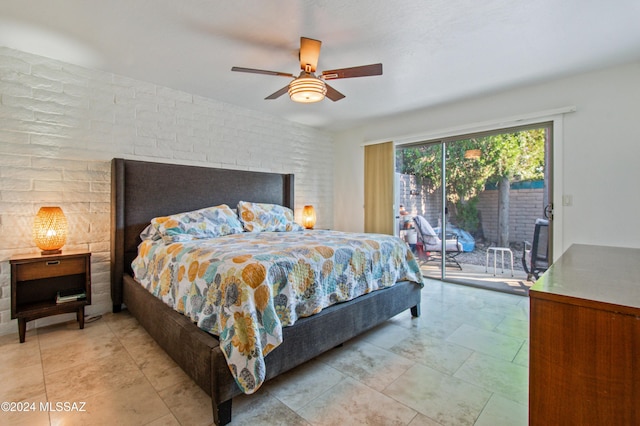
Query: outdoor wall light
[[472, 154]]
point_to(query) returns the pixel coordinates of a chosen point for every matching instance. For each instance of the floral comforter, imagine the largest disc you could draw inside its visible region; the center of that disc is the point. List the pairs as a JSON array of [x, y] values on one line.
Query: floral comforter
[[245, 287]]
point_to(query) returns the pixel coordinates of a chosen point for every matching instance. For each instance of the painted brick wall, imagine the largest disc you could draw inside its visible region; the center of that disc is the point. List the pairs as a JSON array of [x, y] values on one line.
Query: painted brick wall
[[61, 124], [417, 198]]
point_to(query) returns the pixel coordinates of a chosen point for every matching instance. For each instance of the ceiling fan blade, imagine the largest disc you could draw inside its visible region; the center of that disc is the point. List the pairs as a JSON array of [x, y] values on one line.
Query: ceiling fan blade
[[255, 71], [309, 53], [333, 94], [361, 71], [279, 93]]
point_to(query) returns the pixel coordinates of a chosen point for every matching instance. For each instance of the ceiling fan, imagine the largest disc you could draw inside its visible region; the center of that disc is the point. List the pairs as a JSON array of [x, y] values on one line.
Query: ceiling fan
[[307, 87]]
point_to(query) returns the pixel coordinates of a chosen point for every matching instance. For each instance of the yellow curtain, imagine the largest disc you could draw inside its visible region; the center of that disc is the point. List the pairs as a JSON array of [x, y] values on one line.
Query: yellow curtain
[[379, 169]]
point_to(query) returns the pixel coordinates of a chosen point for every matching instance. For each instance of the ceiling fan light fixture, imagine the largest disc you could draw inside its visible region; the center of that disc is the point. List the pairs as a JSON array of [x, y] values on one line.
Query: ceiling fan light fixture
[[307, 89]]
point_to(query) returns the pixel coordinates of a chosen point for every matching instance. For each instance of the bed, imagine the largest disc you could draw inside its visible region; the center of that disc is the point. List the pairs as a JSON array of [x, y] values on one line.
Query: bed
[[144, 190]]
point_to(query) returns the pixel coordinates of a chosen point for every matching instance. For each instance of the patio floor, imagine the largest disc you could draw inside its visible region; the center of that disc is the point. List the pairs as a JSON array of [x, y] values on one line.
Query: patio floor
[[476, 276]]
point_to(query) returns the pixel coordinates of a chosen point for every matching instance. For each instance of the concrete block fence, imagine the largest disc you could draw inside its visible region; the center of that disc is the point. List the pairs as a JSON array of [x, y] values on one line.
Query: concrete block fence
[[525, 206]]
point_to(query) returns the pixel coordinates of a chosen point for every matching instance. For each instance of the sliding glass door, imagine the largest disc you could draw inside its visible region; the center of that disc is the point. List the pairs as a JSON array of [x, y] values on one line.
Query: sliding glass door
[[478, 198]]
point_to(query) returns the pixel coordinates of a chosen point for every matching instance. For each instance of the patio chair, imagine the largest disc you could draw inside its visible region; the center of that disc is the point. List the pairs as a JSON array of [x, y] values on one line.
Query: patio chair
[[432, 244], [535, 256]]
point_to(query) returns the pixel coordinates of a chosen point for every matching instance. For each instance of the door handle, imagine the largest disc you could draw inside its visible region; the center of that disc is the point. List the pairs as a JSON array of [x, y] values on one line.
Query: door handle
[[548, 211]]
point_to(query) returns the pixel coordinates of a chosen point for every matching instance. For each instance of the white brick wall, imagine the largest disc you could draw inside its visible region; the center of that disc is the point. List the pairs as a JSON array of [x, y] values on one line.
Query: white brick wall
[[60, 125]]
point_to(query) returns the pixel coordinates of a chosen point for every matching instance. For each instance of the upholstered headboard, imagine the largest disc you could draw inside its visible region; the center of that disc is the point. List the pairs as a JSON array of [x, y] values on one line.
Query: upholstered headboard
[[142, 190]]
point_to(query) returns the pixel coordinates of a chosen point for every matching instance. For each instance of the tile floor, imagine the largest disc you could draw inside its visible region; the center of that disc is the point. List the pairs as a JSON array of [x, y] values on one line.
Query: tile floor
[[463, 362]]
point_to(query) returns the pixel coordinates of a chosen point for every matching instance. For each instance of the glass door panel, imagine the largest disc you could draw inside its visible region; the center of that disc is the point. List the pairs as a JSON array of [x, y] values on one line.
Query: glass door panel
[[493, 191]]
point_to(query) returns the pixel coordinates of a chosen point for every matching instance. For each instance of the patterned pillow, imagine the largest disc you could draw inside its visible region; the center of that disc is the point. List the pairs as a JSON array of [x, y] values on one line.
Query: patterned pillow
[[150, 233], [209, 222], [260, 217]]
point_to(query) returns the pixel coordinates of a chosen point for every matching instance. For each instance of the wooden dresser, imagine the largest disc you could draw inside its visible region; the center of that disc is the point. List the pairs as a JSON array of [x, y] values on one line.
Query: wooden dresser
[[584, 356]]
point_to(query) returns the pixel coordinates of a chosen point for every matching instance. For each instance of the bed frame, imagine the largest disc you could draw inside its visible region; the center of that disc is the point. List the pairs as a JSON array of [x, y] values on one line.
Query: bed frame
[[143, 190]]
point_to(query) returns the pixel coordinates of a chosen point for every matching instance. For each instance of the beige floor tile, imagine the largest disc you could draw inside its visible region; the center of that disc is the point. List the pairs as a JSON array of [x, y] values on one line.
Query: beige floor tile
[[123, 324], [30, 414], [516, 311], [434, 308], [15, 354], [422, 420], [386, 335], [502, 411], [513, 327], [522, 358], [137, 404], [367, 363], [525, 304], [77, 351], [188, 403], [477, 317], [486, 342], [505, 378], [441, 328], [168, 420], [446, 399], [265, 410], [115, 317], [30, 335], [135, 338], [7, 339], [161, 371], [105, 374], [433, 352], [297, 387], [472, 302], [454, 365], [353, 402], [69, 332], [21, 382], [498, 298]]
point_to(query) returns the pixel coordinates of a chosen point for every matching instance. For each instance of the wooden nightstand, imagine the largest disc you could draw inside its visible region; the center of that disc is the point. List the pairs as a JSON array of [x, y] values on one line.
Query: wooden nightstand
[[36, 281]]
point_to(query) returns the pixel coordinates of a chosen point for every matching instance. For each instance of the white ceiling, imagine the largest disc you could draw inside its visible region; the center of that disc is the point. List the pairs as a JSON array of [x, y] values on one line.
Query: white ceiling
[[433, 51]]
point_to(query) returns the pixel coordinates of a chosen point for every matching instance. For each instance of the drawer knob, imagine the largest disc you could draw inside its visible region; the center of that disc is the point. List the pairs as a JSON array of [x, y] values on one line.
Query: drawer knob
[[52, 262]]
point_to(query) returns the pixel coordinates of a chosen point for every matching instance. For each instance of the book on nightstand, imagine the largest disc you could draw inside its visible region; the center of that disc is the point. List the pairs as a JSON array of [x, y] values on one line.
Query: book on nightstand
[[70, 295]]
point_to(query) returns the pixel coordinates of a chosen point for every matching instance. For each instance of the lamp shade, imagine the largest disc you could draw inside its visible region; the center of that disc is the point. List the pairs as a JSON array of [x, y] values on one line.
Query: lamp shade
[[50, 230], [308, 217], [307, 89]]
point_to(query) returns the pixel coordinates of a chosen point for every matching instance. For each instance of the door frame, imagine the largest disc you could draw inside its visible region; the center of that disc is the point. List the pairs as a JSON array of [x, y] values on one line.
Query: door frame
[[556, 118]]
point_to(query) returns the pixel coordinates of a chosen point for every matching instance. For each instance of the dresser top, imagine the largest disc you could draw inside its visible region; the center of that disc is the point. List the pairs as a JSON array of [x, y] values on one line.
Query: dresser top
[[587, 274]]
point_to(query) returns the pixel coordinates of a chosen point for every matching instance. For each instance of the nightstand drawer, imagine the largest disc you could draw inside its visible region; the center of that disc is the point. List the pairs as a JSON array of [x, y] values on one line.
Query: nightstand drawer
[[47, 268]]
